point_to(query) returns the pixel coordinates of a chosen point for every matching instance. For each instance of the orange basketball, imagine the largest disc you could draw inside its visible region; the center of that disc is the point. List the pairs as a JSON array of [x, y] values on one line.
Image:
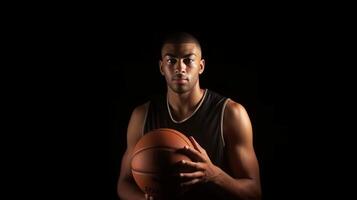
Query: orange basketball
[[154, 158]]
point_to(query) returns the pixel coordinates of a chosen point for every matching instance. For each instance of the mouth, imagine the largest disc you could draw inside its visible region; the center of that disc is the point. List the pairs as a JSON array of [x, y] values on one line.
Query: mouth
[[180, 80]]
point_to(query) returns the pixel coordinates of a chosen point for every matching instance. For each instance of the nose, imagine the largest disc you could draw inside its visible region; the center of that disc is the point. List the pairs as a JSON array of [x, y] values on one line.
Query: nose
[[181, 67]]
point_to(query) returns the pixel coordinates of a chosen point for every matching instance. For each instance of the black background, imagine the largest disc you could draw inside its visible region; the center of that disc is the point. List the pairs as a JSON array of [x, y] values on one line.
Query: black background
[[96, 70]]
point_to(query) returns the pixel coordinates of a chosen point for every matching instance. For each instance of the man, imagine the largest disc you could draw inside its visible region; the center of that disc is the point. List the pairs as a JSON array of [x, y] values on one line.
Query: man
[[224, 161]]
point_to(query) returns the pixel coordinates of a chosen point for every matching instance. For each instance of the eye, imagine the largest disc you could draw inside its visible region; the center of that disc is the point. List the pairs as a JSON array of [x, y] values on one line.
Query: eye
[[189, 61], [171, 61]]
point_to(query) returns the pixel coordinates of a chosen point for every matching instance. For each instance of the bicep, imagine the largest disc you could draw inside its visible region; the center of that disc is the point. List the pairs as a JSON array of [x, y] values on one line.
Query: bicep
[[239, 136]]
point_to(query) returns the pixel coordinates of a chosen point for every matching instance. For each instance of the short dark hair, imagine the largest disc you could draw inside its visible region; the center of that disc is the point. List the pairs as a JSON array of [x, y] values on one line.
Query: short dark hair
[[180, 37]]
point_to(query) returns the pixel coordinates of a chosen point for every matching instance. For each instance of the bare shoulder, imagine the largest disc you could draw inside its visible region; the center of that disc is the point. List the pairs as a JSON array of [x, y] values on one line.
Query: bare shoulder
[[236, 124], [234, 109], [136, 123], [235, 112], [141, 110]]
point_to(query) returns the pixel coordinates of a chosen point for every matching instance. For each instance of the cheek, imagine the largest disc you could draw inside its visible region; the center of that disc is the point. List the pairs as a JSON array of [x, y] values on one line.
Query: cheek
[[167, 69], [167, 74], [164, 71]]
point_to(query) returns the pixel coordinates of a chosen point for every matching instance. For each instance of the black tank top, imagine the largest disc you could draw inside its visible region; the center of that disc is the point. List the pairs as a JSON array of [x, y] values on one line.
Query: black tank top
[[205, 125]]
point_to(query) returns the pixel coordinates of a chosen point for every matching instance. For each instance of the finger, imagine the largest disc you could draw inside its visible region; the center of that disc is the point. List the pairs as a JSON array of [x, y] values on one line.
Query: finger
[[148, 197], [193, 165], [192, 153], [197, 174], [196, 145], [191, 182]]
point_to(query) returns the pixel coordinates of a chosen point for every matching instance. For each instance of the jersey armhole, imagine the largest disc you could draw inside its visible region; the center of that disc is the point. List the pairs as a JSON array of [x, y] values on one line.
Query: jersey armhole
[[147, 105], [222, 117]]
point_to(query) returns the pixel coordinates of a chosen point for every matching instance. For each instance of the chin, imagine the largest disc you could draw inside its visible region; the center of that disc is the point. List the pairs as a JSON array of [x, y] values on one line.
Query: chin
[[180, 90]]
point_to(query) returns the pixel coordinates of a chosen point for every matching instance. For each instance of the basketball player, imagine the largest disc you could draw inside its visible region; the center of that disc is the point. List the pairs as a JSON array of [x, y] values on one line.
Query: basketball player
[[224, 161]]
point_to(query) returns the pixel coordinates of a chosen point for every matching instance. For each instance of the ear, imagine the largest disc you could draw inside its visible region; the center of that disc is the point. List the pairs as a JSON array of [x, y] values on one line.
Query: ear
[[202, 66], [161, 71]]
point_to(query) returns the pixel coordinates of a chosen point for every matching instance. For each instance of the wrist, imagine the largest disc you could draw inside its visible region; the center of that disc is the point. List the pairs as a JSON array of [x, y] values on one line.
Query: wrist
[[217, 175]]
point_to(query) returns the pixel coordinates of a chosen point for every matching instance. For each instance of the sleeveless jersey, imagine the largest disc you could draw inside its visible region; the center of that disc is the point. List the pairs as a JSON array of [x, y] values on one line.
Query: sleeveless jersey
[[205, 124]]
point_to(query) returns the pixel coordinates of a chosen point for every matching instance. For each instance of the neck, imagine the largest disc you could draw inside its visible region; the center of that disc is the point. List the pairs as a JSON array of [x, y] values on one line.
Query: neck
[[184, 104]]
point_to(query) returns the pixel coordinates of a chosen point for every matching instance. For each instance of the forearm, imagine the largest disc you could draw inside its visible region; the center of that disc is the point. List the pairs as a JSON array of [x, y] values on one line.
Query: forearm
[[128, 190], [245, 189]]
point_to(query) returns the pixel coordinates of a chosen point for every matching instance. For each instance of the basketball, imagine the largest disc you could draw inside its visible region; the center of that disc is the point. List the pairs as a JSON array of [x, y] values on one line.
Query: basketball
[[154, 160]]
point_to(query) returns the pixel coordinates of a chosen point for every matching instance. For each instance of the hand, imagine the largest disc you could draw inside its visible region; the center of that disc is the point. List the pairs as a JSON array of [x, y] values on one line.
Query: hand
[[203, 170]]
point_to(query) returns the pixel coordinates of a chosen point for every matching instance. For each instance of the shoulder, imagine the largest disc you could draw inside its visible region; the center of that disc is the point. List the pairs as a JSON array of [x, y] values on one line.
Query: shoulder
[[234, 110], [136, 123], [134, 128], [236, 123], [140, 110]]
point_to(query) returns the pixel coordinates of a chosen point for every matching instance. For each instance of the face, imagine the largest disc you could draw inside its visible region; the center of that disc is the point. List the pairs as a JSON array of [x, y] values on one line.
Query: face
[[181, 65]]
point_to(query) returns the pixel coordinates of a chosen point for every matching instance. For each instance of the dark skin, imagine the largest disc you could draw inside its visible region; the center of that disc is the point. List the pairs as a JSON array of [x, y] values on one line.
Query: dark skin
[[181, 66]]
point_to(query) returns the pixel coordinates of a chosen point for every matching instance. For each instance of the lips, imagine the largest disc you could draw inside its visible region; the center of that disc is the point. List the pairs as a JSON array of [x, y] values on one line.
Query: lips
[[180, 80]]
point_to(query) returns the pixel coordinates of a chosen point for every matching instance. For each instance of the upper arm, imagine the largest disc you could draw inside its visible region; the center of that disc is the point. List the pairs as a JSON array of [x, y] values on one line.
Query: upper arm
[[238, 135], [134, 133]]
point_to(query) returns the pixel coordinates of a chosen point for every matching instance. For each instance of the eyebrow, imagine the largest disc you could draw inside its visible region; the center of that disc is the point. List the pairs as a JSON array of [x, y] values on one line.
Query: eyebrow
[[185, 56]]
